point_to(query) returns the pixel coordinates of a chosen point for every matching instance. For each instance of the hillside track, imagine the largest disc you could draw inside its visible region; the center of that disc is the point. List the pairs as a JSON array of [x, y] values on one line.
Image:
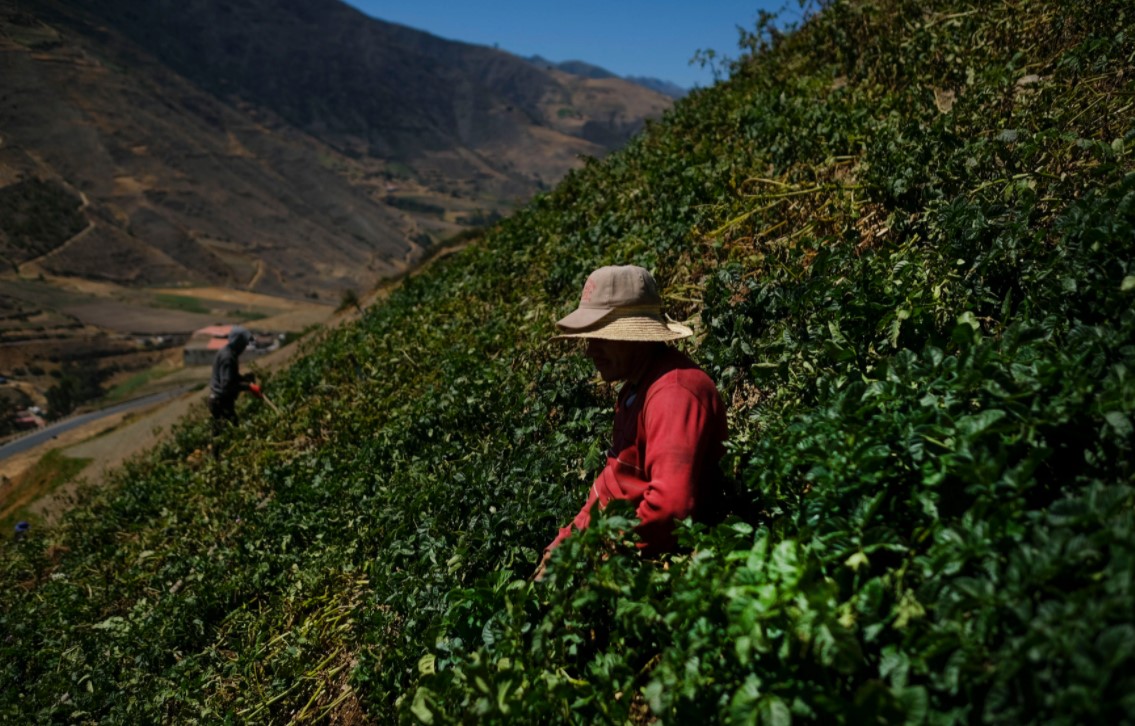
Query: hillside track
[[30, 268]]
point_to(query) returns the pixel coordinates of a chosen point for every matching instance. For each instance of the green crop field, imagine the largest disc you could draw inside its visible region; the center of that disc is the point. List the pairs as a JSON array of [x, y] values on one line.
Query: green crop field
[[905, 235]]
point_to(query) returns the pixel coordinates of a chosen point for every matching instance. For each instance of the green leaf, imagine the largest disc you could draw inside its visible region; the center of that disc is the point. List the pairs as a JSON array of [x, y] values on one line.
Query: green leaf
[[774, 711], [857, 560], [908, 609], [1117, 644], [1120, 422], [836, 333], [653, 693], [977, 423], [743, 706], [420, 709], [784, 562], [115, 623], [894, 666], [896, 326], [916, 703], [968, 318], [742, 528]]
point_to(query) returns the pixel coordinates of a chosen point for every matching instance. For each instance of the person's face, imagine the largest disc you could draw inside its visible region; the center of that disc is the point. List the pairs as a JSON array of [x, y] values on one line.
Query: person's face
[[617, 360]]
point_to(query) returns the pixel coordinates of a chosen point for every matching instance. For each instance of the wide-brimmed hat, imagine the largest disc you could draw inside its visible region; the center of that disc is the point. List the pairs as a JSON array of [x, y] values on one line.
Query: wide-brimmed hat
[[620, 303]]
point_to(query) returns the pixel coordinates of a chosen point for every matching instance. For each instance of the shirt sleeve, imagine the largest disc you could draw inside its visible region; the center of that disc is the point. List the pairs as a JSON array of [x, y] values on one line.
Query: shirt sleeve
[[581, 520]]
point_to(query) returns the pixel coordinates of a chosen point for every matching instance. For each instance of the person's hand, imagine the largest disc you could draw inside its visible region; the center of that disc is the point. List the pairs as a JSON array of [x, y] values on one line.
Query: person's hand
[[538, 575], [250, 377]]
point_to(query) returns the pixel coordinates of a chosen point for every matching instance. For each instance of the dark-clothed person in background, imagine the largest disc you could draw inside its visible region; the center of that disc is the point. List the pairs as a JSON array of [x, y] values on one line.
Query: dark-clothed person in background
[[227, 381], [670, 423]]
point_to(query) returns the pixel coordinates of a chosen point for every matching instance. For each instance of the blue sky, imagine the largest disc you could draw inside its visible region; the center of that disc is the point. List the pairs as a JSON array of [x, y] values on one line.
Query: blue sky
[[629, 37]]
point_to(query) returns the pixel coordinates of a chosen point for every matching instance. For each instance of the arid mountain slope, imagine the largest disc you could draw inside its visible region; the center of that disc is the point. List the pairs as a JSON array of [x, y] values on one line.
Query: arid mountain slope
[[287, 147], [174, 185]]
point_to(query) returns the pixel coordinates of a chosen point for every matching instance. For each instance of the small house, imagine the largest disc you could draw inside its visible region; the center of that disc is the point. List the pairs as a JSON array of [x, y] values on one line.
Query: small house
[[204, 343]]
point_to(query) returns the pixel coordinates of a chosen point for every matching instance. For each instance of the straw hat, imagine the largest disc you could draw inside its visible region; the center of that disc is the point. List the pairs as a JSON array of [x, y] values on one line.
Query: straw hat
[[620, 303]]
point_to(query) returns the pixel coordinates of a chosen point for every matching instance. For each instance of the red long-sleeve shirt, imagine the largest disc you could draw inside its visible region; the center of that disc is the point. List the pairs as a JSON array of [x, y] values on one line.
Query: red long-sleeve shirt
[[667, 442]]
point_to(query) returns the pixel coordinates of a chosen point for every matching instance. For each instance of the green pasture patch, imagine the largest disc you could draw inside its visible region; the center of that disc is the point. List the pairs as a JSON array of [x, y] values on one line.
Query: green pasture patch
[[184, 303], [399, 170], [127, 388], [417, 205], [203, 306], [38, 217]]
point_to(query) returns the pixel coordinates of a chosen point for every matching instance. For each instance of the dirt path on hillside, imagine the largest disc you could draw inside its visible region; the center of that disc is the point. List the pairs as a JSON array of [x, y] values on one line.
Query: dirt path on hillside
[[32, 266]]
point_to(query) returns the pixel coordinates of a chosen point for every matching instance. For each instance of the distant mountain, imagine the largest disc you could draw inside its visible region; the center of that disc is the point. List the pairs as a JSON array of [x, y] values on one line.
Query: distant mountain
[[575, 67], [587, 70], [279, 145], [666, 88]]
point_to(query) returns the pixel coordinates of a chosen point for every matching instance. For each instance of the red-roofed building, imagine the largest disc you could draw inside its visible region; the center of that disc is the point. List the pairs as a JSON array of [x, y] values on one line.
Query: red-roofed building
[[204, 343]]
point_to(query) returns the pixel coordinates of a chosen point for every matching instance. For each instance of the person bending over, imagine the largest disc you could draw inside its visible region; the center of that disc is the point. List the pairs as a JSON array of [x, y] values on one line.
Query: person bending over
[[670, 427], [227, 381]]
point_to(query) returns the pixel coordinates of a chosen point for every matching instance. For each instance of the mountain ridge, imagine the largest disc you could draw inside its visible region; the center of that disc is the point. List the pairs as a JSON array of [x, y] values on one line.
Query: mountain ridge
[[590, 70], [420, 134]]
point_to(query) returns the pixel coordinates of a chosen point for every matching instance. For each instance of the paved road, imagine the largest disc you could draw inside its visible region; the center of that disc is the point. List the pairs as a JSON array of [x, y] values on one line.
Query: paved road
[[49, 432]]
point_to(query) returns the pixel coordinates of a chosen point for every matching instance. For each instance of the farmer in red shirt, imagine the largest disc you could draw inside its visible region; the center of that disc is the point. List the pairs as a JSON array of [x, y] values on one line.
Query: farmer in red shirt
[[669, 419]]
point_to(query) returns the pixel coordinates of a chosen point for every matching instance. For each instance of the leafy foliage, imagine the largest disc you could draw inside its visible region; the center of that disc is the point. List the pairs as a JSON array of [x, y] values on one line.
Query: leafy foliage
[[904, 233]]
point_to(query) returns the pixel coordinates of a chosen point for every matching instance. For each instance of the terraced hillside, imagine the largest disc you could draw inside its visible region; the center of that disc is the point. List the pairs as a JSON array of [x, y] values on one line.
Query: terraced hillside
[[905, 235]]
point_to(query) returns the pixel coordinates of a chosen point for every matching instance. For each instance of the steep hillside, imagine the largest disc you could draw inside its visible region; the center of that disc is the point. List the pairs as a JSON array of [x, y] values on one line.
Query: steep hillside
[[283, 147], [365, 85], [171, 184], [904, 234]]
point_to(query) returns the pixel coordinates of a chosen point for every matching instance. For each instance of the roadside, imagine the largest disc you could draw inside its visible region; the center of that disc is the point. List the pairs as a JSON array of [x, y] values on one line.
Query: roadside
[[53, 431], [20, 492], [104, 442]]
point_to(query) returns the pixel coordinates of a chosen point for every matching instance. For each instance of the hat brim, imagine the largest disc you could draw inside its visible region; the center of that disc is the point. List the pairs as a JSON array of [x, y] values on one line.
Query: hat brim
[[631, 328]]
